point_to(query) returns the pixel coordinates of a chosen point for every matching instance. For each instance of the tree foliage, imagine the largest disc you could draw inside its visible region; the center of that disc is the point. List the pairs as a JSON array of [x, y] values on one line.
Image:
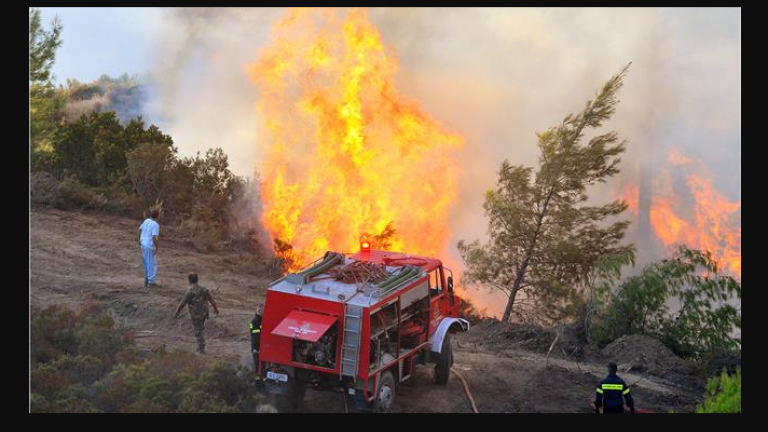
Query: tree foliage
[[129, 167], [94, 148], [42, 47], [723, 394], [82, 362], [599, 283], [45, 105], [544, 235], [684, 302]]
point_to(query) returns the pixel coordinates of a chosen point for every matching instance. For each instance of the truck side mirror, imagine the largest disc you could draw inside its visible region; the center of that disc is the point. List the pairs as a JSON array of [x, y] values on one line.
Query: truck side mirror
[[450, 283]]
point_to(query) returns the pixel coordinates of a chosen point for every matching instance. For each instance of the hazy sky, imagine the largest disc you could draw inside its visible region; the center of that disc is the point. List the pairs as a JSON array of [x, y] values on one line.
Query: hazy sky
[[100, 41]]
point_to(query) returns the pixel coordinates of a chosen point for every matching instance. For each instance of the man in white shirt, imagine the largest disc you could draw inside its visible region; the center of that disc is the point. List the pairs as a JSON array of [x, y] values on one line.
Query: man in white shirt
[[148, 233]]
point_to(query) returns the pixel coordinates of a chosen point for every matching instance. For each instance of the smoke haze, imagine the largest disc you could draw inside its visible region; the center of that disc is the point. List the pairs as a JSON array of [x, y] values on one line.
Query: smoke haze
[[495, 76]]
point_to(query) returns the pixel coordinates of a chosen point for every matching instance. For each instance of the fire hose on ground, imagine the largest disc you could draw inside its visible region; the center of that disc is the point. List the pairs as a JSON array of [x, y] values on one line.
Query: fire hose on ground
[[467, 391], [463, 382]]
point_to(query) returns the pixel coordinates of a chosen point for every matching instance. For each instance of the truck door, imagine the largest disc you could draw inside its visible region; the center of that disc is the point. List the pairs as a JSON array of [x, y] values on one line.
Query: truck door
[[453, 302], [438, 306]]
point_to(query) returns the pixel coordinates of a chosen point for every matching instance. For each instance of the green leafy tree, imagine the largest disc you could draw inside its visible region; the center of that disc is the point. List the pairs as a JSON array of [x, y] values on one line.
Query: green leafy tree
[[723, 394], [214, 185], [684, 302], [45, 104], [86, 148], [544, 236], [42, 47], [95, 147], [149, 166], [600, 282]]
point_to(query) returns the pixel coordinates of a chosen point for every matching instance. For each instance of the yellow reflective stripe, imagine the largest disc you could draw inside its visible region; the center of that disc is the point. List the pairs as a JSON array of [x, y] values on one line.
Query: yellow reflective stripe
[[600, 391], [625, 391], [256, 331], [250, 326], [613, 387]]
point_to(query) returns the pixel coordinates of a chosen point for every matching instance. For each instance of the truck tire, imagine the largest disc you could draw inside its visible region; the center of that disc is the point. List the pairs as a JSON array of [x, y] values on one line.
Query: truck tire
[[444, 362], [385, 395]]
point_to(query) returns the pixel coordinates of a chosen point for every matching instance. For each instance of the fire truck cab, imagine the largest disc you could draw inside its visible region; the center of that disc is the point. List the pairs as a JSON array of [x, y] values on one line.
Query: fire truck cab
[[361, 338]]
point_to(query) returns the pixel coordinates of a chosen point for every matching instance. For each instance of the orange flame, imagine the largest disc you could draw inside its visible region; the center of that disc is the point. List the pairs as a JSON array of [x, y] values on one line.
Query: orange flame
[[344, 153], [711, 223]]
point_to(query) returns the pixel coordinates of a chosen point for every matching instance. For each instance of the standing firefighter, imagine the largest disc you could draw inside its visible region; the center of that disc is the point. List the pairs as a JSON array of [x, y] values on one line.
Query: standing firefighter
[[255, 328], [148, 239], [611, 392], [197, 298]]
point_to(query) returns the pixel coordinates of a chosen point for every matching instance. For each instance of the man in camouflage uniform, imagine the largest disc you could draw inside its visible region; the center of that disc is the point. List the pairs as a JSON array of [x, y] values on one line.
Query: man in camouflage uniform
[[197, 298]]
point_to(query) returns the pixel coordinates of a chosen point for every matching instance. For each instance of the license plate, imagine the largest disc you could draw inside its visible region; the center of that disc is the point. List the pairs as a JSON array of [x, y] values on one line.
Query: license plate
[[277, 376]]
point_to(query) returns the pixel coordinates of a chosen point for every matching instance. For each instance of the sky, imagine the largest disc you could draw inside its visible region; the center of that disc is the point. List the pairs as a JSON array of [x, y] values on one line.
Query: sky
[[100, 41]]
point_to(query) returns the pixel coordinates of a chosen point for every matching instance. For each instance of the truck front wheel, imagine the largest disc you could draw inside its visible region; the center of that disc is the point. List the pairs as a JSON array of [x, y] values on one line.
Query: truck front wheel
[[385, 396], [444, 361]]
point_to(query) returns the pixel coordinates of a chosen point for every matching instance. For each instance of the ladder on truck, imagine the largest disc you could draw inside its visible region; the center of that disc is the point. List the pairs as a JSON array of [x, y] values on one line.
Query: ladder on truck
[[350, 348]]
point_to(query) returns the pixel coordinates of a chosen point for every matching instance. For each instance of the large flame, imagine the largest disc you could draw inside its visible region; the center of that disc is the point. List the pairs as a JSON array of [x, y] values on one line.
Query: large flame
[[344, 154], [701, 217]]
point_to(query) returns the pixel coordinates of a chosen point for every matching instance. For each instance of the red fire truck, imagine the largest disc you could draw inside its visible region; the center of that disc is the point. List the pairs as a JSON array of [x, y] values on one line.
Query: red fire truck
[[362, 338]]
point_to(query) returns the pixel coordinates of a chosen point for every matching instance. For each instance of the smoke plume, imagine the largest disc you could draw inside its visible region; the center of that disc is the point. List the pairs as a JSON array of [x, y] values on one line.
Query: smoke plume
[[496, 76]]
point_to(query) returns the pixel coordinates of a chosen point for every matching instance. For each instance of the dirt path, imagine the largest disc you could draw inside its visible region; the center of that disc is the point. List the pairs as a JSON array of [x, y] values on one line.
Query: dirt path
[[76, 258]]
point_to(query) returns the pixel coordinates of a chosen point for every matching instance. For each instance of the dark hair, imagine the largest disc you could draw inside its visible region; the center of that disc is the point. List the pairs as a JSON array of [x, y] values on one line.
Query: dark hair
[[192, 278], [154, 214], [612, 368]]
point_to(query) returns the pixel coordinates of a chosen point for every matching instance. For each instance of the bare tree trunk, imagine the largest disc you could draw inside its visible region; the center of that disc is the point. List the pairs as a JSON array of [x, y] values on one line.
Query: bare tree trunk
[[510, 302], [528, 253]]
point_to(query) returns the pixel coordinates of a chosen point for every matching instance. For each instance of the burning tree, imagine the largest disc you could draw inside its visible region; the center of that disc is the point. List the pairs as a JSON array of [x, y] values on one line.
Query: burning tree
[[544, 237], [345, 153]]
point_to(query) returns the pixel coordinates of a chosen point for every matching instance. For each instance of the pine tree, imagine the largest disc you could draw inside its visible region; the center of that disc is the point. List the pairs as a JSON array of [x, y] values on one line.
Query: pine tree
[[544, 236]]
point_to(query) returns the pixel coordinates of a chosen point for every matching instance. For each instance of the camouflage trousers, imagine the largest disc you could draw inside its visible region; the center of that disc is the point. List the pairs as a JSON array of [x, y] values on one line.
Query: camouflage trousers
[[199, 325]]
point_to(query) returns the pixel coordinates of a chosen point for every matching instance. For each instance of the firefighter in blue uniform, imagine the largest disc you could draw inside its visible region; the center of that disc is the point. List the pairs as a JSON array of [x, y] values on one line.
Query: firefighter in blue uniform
[[611, 393], [255, 328]]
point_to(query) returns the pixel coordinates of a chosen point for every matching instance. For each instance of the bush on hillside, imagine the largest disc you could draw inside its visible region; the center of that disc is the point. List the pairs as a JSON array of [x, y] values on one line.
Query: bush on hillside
[[703, 324], [82, 362], [723, 394]]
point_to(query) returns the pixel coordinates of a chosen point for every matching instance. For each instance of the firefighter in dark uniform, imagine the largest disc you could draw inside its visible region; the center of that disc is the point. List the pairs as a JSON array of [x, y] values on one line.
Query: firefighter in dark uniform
[[255, 328], [611, 393]]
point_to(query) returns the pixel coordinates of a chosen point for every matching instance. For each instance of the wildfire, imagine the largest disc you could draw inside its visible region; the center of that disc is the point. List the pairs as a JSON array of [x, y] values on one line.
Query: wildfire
[[344, 154], [701, 218]]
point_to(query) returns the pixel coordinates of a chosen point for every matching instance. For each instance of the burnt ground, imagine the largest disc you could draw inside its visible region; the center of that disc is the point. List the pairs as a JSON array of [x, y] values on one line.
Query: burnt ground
[[93, 258]]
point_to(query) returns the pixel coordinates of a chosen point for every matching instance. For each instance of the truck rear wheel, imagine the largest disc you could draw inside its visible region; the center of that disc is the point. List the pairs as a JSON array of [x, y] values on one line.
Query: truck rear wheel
[[385, 396], [444, 362]]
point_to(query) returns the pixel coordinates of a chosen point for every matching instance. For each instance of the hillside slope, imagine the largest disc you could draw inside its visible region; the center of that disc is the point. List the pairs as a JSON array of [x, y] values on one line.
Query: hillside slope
[[78, 258]]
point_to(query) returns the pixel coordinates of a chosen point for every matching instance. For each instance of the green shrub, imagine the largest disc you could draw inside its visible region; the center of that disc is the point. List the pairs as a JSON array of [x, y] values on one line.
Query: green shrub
[[46, 381], [173, 382], [72, 194], [723, 394], [82, 362], [43, 188], [52, 333], [84, 369], [700, 327], [222, 381]]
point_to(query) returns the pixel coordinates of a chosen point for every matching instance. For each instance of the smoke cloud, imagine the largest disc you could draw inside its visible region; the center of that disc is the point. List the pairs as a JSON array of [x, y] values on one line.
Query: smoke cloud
[[496, 76]]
